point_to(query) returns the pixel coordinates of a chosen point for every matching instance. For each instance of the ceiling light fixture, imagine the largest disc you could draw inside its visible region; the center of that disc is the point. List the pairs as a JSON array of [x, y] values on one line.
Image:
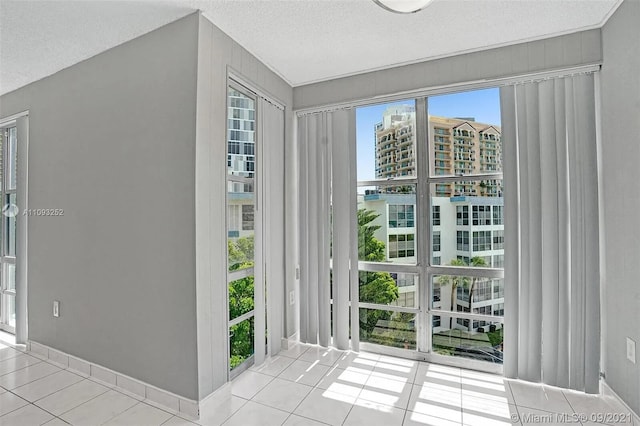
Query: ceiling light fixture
[[403, 6]]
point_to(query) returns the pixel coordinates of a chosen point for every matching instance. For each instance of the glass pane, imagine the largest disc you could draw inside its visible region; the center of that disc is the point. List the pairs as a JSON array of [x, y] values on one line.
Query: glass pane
[[9, 276], [12, 159], [468, 229], [9, 211], [240, 230], [453, 292], [466, 338], [385, 288], [387, 224], [396, 329], [241, 342], [464, 132], [241, 135], [241, 298], [385, 140], [11, 309]]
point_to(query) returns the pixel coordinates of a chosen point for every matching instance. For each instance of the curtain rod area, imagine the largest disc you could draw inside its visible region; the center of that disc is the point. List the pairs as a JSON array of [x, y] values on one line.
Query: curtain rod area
[[453, 88]]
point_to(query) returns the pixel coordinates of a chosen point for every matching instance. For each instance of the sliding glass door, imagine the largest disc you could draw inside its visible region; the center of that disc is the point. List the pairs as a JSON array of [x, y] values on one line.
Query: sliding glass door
[[430, 228]]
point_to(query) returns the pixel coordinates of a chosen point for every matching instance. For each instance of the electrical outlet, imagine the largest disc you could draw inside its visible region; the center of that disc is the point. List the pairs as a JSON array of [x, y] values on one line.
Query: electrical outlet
[[631, 350], [56, 308], [292, 297], [298, 273]]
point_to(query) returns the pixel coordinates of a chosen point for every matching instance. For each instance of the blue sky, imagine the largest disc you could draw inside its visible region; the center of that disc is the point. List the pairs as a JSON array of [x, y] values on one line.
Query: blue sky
[[483, 105]]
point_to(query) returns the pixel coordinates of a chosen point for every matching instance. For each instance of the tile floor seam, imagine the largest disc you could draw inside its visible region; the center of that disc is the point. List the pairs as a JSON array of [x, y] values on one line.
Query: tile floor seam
[[226, 418], [305, 417], [303, 399], [144, 401], [46, 411], [350, 409], [255, 402], [15, 356], [21, 368], [73, 408], [404, 418], [169, 419], [564, 395], [86, 402], [22, 406], [54, 392], [30, 403], [42, 377], [542, 409], [258, 402], [265, 405], [113, 417], [287, 356]]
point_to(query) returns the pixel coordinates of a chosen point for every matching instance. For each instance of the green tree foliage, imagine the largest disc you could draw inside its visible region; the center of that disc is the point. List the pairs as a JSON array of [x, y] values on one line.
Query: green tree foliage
[[240, 252], [241, 342], [370, 248], [375, 287], [241, 299]]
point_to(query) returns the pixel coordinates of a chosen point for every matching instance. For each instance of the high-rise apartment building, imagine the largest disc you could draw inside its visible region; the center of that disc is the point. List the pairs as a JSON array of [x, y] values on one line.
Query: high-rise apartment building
[[458, 146], [464, 228], [467, 215], [241, 160], [241, 138], [395, 150]]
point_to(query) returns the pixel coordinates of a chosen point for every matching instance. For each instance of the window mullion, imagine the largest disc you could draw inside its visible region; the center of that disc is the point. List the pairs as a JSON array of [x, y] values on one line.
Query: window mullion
[[422, 222]]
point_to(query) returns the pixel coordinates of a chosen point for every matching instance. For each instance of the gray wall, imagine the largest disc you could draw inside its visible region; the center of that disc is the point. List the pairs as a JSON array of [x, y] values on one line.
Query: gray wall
[[112, 142], [557, 52], [621, 157], [218, 53]]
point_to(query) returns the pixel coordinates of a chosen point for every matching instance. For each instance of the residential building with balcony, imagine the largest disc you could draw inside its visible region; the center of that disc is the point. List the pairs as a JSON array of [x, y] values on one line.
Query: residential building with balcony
[[460, 146]]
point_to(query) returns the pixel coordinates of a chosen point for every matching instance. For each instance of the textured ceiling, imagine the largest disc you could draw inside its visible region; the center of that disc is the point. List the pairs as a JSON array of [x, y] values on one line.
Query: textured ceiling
[[302, 40]]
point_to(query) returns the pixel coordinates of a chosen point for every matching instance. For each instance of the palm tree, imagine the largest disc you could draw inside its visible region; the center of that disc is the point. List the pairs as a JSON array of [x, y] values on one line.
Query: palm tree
[[477, 262], [455, 282]]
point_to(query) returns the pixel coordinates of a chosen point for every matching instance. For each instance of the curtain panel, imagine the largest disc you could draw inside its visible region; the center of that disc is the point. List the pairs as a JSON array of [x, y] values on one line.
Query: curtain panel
[[327, 154], [552, 273]]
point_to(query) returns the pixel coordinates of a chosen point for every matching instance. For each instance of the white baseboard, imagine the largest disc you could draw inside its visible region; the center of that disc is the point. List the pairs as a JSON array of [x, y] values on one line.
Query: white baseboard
[[288, 342], [128, 385], [606, 390]]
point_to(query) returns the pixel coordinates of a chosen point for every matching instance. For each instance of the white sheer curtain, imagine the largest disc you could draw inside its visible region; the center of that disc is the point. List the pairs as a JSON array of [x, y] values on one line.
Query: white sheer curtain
[[327, 149], [552, 274]]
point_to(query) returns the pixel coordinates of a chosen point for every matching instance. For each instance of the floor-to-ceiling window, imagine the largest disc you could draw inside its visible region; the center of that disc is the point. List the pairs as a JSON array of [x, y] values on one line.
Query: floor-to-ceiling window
[[8, 231], [241, 225], [430, 226], [464, 152], [389, 284]]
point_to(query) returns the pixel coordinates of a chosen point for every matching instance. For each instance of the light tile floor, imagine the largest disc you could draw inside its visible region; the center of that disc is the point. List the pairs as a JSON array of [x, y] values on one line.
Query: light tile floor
[[304, 385]]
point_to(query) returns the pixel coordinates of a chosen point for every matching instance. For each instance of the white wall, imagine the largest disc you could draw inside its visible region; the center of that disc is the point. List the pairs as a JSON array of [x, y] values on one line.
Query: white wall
[[112, 142], [621, 174], [217, 55]]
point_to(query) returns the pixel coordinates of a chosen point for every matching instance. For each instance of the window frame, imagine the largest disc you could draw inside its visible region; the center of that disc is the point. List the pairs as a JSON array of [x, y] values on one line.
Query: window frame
[[426, 184]]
